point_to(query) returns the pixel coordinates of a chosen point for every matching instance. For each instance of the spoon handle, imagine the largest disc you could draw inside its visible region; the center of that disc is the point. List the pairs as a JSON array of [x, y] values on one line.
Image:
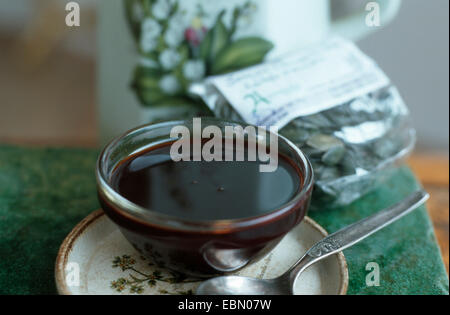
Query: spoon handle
[[357, 232]]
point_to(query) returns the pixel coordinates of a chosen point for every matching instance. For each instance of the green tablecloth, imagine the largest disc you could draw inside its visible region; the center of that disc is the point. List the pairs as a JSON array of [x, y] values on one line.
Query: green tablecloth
[[45, 192]]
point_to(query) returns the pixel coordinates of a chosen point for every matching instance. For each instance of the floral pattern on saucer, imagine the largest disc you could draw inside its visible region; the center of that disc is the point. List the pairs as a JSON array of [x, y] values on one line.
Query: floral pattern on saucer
[[136, 279]]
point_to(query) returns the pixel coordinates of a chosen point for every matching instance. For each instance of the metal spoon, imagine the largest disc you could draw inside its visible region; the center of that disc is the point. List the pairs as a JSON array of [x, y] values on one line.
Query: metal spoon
[[333, 244]]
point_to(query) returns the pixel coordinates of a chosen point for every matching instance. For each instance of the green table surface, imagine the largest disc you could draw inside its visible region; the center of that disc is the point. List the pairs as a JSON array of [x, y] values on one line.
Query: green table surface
[[44, 193]]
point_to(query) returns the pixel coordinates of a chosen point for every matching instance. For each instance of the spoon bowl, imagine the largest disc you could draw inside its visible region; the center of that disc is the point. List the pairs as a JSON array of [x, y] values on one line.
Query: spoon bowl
[[234, 285]]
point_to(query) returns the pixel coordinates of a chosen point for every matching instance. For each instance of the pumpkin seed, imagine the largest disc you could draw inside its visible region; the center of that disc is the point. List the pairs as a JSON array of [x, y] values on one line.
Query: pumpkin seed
[[334, 156], [324, 142]]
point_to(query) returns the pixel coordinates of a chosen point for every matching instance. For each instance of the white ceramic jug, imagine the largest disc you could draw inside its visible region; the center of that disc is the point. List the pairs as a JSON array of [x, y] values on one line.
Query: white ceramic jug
[[288, 24]]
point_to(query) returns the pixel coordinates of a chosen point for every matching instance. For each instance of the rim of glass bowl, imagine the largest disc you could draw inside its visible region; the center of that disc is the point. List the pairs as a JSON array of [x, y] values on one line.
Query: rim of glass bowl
[[154, 218]]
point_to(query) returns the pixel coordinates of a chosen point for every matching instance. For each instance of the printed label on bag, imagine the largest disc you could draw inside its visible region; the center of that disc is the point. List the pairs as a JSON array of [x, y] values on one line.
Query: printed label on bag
[[305, 83]]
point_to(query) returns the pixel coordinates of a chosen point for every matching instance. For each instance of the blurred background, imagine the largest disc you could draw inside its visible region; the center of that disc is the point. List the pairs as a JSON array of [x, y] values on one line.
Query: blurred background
[[47, 76], [48, 80]]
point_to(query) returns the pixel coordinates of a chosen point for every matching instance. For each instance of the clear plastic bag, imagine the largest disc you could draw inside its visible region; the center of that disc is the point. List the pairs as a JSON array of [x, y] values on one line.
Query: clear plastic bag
[[353, 147]]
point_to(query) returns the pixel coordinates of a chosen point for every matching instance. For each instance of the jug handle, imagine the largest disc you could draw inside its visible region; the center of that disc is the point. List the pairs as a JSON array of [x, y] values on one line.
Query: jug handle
[[354, 26]]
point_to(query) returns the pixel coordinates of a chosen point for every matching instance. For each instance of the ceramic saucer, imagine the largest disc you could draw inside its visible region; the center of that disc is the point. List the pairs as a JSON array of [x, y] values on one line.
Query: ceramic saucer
[[96, 259]]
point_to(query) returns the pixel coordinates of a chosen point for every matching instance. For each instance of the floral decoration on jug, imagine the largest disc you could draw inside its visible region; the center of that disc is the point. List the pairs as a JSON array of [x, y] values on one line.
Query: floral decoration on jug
[[177, 48]]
